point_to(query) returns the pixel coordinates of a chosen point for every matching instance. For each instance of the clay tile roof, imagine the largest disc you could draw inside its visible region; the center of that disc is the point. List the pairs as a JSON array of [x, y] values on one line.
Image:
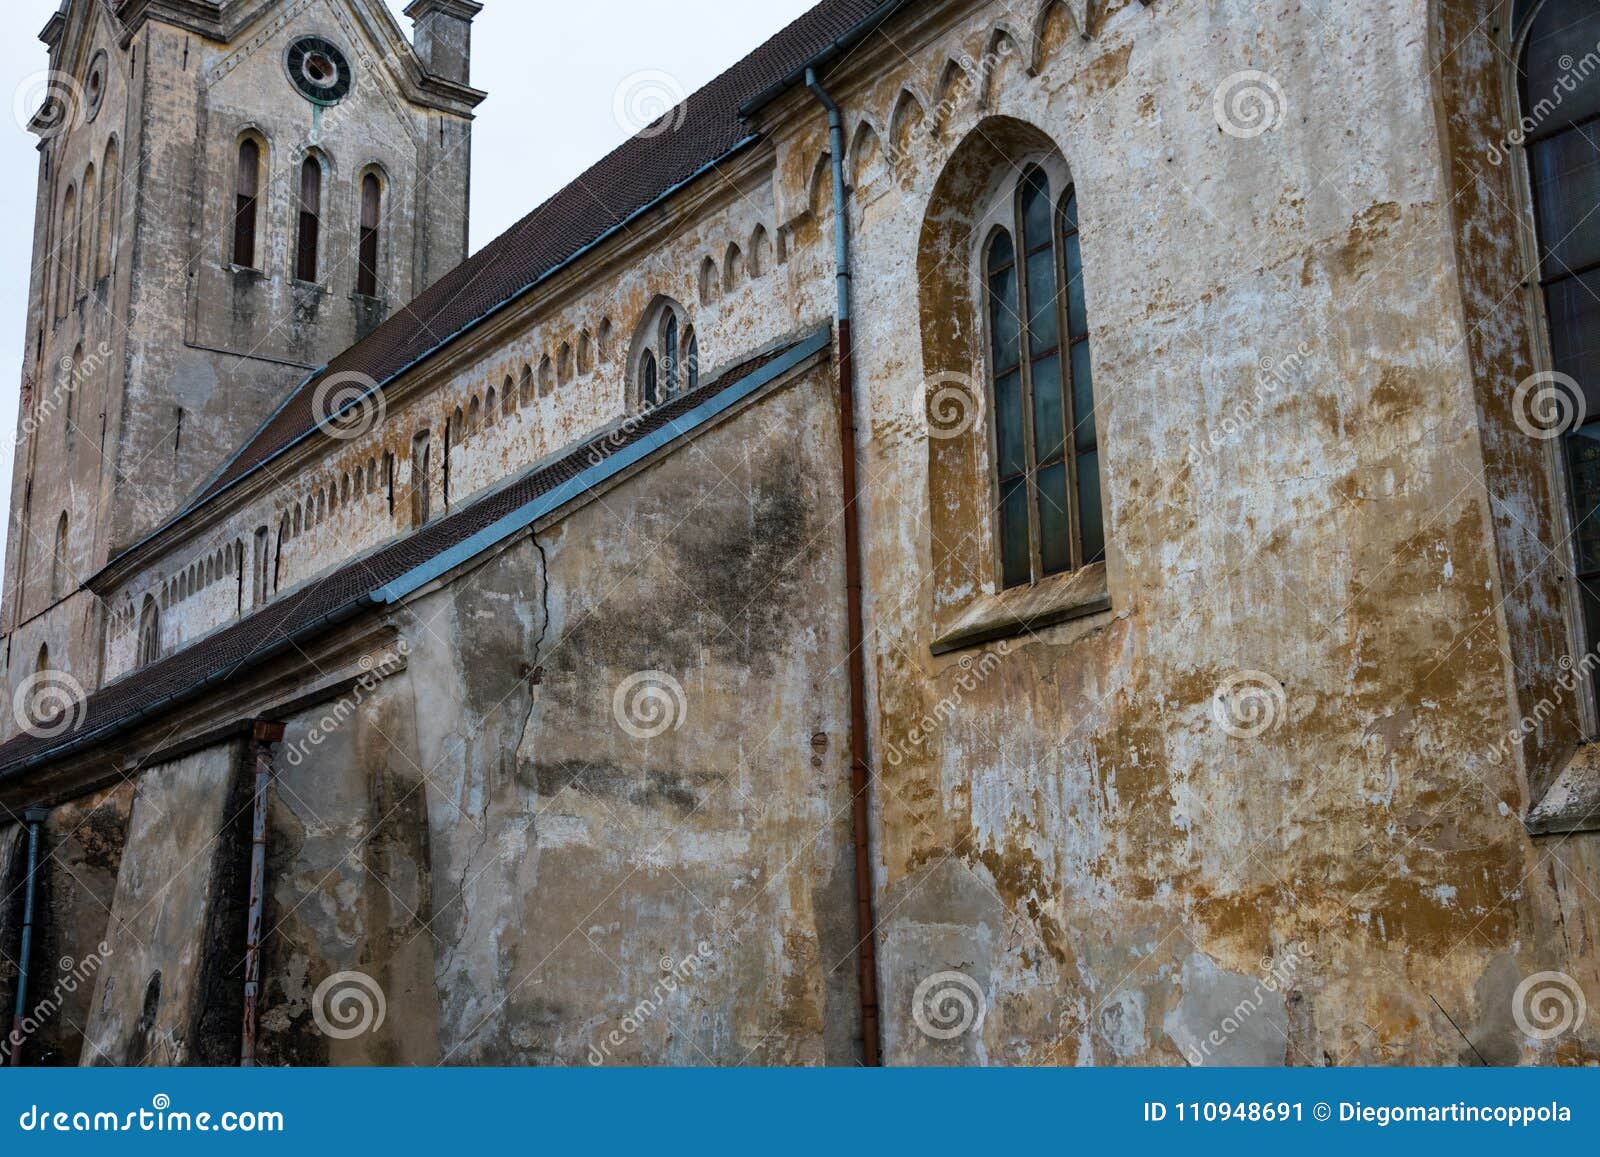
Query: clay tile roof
[[364, 583], [708, 127]]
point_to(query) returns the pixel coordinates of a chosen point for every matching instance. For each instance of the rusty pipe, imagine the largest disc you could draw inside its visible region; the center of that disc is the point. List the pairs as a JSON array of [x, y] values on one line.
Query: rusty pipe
[[33, 817], [264, 736], [860, 766]]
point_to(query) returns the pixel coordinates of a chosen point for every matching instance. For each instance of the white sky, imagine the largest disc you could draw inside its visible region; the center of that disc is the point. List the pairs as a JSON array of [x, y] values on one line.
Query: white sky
[[552, 71]]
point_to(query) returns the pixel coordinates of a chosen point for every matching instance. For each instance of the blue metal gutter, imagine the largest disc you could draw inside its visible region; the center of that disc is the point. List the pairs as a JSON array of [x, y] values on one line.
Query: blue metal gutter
[[601, 472]]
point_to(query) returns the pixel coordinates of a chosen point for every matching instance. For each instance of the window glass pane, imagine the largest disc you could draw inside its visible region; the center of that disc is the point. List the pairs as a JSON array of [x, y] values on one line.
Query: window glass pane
[[1008, 425], [1082, 399], [1089, 514], [1015, 569], [1003, 319], [649, 390], [1573, 306], [1561, 84], [1077, 314], [1044, 327], [1566, 181], [1069, 213], [1049, 420], [669, 352], [1055, 524], [1035, 210], [1583, 459]]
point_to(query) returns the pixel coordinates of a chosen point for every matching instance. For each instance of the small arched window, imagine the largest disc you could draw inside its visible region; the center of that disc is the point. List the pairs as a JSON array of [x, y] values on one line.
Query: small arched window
[[650, 389], [658, 355], [371, 217], [71, 384], [149, 632], [59, 562], [41, 664], [310, 231], [691, 360], [669, 352], [1046, 458], [246, 203]]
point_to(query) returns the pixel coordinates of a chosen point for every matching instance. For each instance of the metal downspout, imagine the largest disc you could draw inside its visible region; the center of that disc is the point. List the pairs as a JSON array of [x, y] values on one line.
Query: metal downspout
[[265, 735], [33, 817], [860, 768]]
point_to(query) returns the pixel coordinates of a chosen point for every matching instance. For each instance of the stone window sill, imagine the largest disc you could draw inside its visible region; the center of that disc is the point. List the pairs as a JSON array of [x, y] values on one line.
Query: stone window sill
[[1061, 599], [1572, 804]]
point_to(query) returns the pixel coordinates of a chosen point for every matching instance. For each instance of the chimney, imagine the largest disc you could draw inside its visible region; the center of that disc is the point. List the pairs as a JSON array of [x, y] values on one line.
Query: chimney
[[443, 36]]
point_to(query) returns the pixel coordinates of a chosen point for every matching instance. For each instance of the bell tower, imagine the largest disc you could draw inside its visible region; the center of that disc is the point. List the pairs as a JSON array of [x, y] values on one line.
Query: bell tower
[[230, 193]]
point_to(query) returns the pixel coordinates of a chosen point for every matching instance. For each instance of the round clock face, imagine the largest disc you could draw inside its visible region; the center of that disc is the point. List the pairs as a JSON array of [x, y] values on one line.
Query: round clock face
[[319, 70]]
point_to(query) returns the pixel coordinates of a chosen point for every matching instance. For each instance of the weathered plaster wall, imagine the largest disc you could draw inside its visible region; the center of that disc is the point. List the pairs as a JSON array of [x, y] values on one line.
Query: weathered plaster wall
[[681, 892], [82, 846], [171, 992]]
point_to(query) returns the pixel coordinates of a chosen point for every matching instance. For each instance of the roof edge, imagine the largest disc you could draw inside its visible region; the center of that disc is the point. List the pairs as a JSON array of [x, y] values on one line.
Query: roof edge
[[484, 540]]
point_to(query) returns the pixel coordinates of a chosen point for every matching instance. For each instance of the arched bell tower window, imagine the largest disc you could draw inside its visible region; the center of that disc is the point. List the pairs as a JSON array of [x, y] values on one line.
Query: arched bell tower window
[[246, 203], [665, 355], [1559, 128], [368, 247], [310, 229], [1046, 457]]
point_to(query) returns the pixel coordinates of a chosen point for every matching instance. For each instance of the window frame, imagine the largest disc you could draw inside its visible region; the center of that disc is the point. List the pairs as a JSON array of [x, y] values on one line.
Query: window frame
[[369, 238], [1536, 316], [303, 215], [1004, 214]]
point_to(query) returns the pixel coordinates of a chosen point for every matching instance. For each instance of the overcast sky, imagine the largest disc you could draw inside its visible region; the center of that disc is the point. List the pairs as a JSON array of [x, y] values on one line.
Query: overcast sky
[[552, 71]]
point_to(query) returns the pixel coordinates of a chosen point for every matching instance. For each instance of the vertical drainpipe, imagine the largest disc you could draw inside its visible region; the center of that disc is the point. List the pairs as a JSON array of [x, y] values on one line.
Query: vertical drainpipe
[[33, 817], [265, 735], [860, 768]]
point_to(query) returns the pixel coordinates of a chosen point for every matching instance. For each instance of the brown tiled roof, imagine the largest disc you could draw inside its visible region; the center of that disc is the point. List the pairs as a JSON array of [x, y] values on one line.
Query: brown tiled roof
[[302, 613], [706, 128]]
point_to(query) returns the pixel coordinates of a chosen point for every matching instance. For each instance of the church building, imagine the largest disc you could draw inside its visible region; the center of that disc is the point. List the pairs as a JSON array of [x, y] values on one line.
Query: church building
[[1046, 532]]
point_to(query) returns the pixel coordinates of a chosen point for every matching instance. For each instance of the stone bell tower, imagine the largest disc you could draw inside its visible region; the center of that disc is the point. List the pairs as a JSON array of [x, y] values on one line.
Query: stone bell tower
[[230, 193]]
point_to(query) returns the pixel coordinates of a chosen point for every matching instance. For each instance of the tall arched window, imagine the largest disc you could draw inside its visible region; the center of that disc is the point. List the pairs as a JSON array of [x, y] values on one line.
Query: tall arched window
[[371, 215], [310, 219], [58, 563], [42, 663], [71, 384], [83, 269], [66, 291], [246, 203], [1561, 120], [110, 192], [1046, 458], [149, 632], [691, 360]]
